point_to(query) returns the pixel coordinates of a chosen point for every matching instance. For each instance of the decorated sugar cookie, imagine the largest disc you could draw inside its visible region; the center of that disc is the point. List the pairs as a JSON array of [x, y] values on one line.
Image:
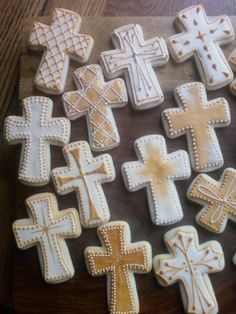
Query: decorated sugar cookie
[[36, 130], [95, 98], [218, 199], [60, 41], [48, 228], [232, 62], [202, 37], [85, 175], [119, 260], [189, 263], [135, 58], [156, 171], [197, 118]]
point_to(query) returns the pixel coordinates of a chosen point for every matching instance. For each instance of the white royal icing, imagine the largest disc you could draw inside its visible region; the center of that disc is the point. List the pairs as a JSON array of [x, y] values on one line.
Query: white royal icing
[[36, 130], [197, 118], [95, 98], [201, 38], [60, 41], [85, 174], [156, 171], [189, 264], [48, 228], [134, 57]]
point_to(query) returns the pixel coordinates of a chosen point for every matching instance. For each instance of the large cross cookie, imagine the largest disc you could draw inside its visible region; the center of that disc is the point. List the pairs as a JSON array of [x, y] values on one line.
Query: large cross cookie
[[201, 37], [85, 175], [119, 260], [95, 98], [36, 131], [48, 228], [218, 199], [134, 57], [197, 118], [156, 171], [189, 264], [60, 42]]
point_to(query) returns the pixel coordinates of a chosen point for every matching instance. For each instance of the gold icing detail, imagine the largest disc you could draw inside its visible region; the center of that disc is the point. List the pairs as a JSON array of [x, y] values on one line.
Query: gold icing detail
[[219, 199]]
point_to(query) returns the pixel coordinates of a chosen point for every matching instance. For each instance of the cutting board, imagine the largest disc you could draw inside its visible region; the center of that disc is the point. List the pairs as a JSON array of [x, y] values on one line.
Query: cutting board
[[84, 294]]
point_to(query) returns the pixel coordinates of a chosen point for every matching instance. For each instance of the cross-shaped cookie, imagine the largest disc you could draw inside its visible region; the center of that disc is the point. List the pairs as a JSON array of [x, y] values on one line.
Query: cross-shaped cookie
[[189, 264], [60, 42], [48, 228], [201, 37], [85, 175], [156, 171], [119, 260], [134, 58], [197, 118], [36, 131], [218, 199], [95, 98]]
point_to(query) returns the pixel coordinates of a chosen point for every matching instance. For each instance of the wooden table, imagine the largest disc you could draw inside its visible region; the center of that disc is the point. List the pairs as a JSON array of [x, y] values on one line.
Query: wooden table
[[12, 195]]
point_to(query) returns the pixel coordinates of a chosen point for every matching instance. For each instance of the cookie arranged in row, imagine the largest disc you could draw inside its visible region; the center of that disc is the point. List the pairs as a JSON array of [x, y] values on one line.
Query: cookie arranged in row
[[133, 57]]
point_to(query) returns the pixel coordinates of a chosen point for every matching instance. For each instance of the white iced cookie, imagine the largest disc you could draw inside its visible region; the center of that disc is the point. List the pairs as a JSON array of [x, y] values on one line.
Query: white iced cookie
[[156, 171], [135, 58], [119, 260], [47, 228], [201, 38], [95, 99], [60, 42], [85, 175], [36, 130], [232, 63], [189, 264], [197, 118], [218, 199]]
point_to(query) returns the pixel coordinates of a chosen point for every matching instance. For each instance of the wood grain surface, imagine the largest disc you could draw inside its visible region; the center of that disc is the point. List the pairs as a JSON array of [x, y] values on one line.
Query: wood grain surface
[[85, 294]]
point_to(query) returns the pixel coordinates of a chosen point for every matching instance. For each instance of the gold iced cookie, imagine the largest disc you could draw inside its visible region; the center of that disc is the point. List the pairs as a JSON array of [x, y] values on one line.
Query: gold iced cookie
[[217, 197], [119, 260], [197, 118], [201, 38], [95, 98], [60, 42], [48, 228], [85, 175], [189, 263]]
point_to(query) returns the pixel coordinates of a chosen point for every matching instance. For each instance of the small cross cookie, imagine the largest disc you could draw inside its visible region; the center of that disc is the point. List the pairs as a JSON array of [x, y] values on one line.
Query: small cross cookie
[[197, 118], [201, 38], [156, 171], [48, 228], [218, 199], [95, 99], [85, 174], [232, 62], [36, 131], [189, 264], [119, 260], [60, 42], [135, 58]]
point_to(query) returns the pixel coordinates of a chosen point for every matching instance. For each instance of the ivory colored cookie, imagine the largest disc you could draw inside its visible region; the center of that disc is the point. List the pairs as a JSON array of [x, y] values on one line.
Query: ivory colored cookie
[[36, 131], [197, 118], [95, 98], [135, 58], [119, 260], [60, 42], [47, 228], [156, 171], [84, 175], [201, 38], [218, 199], [232, 62], [189, 264]]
